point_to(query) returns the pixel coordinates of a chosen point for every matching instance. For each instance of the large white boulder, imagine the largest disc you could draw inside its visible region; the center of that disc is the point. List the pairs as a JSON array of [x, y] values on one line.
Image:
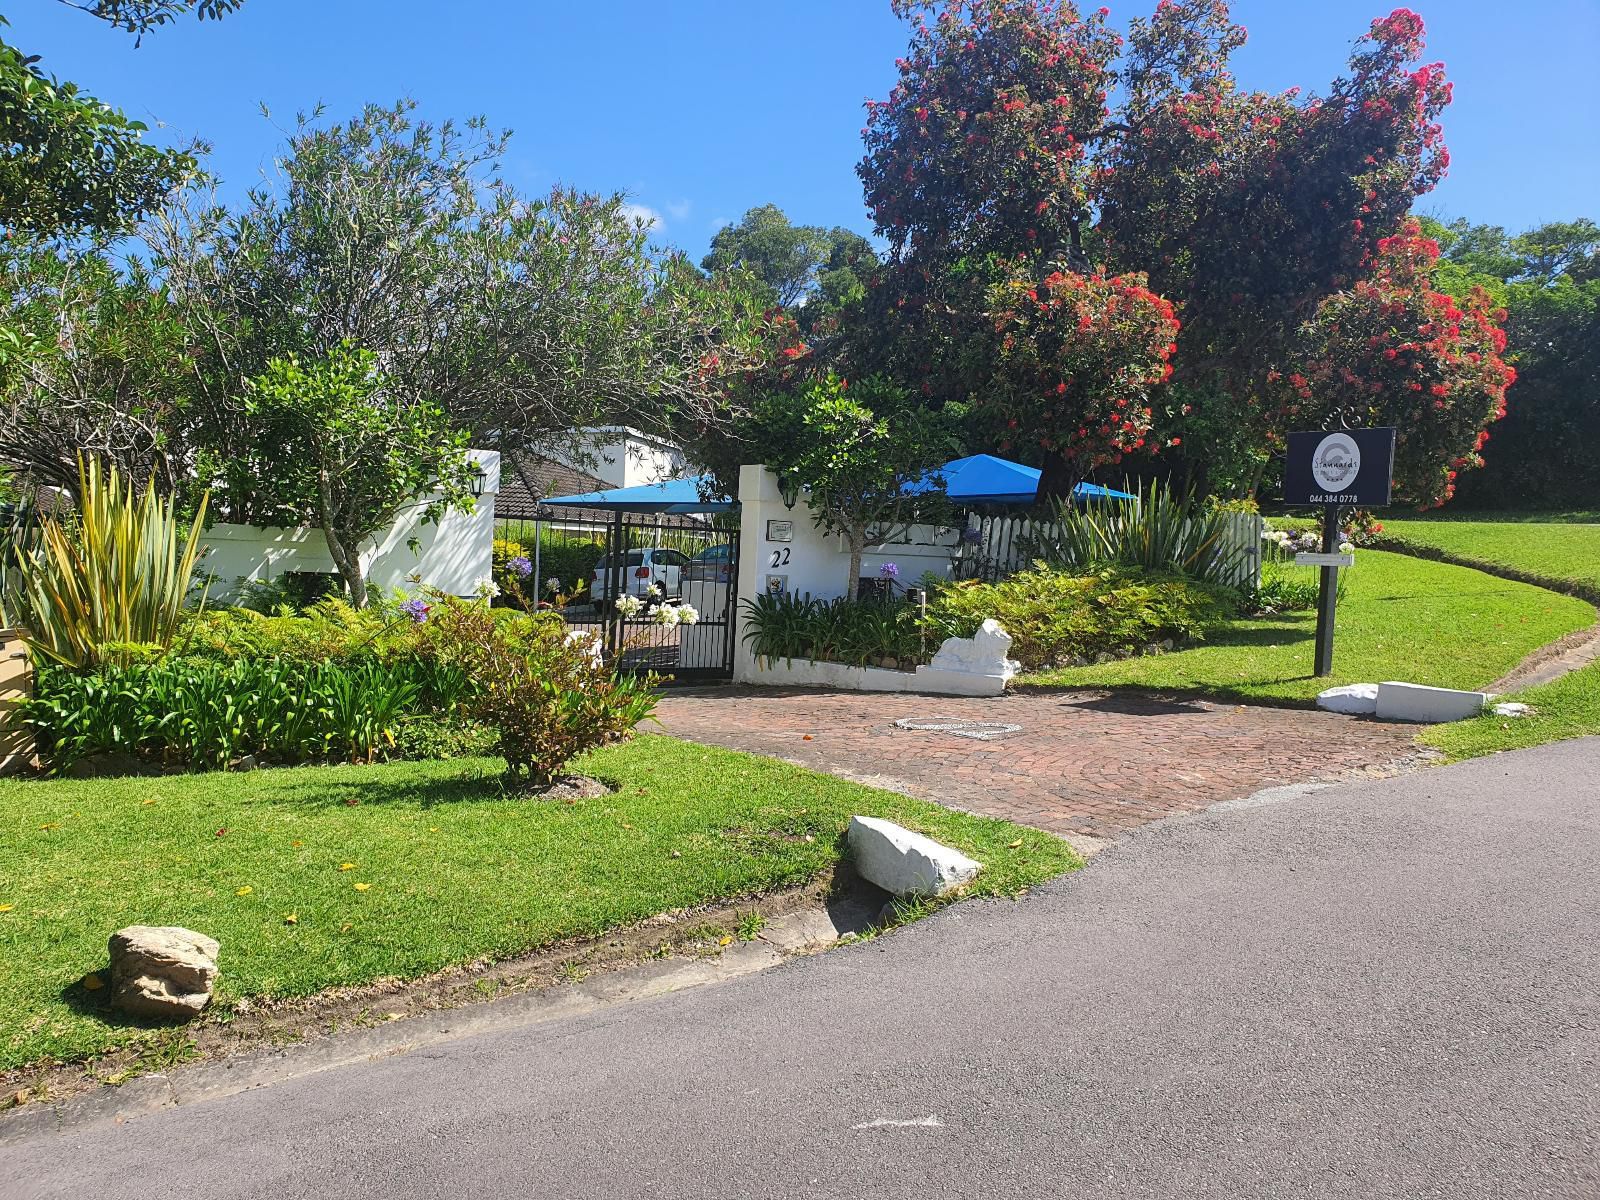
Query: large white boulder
[[1427, 705], [906, 863], [162, 971], [1355, 699]]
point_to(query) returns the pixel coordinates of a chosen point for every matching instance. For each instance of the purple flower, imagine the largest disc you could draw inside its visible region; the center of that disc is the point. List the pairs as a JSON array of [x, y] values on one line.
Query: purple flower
[[520, 566], [889, 571], [971, 536], [416, 610]]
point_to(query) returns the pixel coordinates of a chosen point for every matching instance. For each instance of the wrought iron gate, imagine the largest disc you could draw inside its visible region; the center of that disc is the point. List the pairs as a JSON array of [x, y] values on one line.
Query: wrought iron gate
[[660, 567]]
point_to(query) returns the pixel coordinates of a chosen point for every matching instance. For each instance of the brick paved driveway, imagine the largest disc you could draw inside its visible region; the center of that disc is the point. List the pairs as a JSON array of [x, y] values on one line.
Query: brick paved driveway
[[1084, 763]]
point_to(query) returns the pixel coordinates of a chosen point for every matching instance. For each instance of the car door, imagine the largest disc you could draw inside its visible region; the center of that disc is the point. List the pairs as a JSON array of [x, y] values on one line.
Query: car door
[[671, 565]]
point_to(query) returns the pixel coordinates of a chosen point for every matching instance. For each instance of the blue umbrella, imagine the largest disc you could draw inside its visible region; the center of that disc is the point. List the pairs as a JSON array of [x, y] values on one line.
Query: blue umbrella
[[987, 479], [671, 496]]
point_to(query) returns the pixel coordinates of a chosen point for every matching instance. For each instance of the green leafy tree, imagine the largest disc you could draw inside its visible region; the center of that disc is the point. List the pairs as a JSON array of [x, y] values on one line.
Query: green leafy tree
[[792, 262], [525, 318], [72, 164], [331, 444], [855, 447]]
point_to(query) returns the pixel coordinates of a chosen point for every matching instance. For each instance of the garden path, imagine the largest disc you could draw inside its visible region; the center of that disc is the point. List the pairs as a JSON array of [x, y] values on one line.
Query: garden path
[[1075, 763]]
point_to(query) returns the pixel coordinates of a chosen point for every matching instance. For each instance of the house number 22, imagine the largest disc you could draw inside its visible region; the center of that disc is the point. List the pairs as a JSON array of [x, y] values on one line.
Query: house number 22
[[780, 557]]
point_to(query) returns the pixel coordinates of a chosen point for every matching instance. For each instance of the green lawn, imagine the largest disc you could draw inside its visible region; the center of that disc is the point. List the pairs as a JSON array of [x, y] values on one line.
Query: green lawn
[[1401, 618], [1564, 555], [1567, 708], [443, 867]]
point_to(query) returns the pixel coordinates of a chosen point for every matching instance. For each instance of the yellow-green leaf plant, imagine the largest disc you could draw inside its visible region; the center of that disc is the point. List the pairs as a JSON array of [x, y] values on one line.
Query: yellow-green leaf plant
[[112, 584]]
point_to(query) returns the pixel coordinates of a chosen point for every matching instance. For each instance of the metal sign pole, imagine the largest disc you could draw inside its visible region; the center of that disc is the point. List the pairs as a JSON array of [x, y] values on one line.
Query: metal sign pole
[[1327, 592]]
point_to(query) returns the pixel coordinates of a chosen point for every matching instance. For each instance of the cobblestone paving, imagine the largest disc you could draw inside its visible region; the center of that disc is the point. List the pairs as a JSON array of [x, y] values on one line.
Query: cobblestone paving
[[1085, 763]]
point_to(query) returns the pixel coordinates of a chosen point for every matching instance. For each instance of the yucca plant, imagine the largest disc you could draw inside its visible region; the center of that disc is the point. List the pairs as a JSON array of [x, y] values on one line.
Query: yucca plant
[[113, 580], [1162, 530]]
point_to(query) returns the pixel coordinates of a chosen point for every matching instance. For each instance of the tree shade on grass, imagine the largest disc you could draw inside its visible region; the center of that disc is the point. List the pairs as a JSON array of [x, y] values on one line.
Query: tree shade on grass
[[1401, 618], [1559, 553], [406, 868], [1569, 707]]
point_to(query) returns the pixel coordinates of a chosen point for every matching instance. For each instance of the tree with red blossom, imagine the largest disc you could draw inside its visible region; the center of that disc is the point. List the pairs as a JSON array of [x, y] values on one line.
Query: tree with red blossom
[[1392, 350], [1078, 355], [997, 155]]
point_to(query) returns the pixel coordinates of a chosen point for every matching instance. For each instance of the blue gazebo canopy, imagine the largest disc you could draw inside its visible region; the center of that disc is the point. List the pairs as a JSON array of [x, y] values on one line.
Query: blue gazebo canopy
[[675, 496], [987, 479]]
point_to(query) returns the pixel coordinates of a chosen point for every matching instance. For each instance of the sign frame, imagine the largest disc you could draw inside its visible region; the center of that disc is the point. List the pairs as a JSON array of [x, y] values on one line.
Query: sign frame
[[780, 531]]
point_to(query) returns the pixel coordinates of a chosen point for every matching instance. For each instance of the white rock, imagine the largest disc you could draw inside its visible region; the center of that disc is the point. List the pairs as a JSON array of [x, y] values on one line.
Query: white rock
[[906, 863], [162, 971], [1427, 705], [1512, 709], [1356, 699]]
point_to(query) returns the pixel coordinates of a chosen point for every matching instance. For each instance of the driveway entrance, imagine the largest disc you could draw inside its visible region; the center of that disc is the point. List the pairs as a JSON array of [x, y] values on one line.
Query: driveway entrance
[[1087, 763]]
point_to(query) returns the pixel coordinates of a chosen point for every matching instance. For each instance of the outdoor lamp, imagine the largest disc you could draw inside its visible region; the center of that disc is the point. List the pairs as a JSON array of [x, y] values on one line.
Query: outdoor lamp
[[480, 480], [789, 489]]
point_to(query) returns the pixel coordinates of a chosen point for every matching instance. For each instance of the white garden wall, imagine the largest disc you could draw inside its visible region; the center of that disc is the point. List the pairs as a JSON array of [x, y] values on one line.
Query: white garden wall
[[453, 555]]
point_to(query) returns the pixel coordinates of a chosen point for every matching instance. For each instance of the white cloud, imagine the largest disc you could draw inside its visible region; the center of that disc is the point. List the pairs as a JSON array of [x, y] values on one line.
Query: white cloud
[[720, 223], [648, 216], [678, 210]]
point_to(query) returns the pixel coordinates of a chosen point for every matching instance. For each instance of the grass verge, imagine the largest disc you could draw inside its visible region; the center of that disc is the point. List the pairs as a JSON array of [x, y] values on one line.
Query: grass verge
[[1564, 557], [1569, 707], [398, 870], [1401, 618]]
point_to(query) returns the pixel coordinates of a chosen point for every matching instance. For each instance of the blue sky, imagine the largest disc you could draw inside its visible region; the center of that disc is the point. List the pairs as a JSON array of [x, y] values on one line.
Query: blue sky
[[699, 109]]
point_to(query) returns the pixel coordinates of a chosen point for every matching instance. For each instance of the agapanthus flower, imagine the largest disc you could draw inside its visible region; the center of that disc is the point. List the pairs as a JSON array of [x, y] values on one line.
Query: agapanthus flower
[[520, 566], [416, 610], [889, 570]]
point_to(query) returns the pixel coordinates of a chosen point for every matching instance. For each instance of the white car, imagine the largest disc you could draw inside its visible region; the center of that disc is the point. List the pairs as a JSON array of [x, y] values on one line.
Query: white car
[[653, 572]]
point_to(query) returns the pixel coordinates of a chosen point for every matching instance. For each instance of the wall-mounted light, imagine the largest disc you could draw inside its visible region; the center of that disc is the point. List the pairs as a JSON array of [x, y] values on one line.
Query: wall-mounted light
[[479, 480], [789, 489]]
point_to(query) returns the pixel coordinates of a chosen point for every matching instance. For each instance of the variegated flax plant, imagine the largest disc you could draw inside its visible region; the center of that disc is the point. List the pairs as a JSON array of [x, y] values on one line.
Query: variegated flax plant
[[109, 585]]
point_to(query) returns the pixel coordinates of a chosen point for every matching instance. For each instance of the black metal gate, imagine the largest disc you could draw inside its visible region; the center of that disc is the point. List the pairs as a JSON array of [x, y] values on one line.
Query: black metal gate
[[656, 571]]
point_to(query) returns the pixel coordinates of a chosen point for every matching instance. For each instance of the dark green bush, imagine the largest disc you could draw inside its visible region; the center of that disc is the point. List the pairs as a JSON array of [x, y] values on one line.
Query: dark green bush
[[1054, 617], [856, 632], [205, 715]]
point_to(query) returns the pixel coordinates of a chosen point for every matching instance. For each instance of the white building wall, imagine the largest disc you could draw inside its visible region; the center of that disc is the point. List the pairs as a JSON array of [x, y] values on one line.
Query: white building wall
[[452, 555]]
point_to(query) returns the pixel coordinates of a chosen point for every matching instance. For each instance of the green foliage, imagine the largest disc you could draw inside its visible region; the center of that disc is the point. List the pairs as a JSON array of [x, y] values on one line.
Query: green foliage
[[859, 633], [1055, 617], [204, 715], [855, 446], [549, 696], [333, 444], [118, 576], [569, 559], [787, 259], [1161, 531]]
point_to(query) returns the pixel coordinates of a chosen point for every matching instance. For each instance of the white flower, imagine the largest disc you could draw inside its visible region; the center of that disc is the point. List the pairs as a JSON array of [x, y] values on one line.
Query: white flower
[[688, 614], [552, 584], [1347, 548], [629, 606], [666, 615], [487, 589]]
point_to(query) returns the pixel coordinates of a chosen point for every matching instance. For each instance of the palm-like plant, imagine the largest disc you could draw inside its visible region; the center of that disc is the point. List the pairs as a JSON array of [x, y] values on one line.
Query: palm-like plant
[[113, 583]]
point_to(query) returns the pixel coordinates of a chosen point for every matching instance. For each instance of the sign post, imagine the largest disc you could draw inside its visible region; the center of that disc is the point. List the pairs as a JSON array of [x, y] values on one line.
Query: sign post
[[1331, 469]]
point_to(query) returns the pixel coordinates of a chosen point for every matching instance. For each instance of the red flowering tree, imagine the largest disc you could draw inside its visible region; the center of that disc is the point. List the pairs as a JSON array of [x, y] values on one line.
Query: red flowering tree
[[1392, 350], [996, 153], [1078, 355]]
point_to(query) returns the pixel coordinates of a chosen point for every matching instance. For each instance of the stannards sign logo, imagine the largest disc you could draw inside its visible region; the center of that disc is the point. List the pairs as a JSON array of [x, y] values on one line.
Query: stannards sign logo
[[1336, 463]]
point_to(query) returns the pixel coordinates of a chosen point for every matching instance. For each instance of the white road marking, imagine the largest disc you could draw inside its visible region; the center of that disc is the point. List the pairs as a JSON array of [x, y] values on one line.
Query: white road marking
[[893, 1123]]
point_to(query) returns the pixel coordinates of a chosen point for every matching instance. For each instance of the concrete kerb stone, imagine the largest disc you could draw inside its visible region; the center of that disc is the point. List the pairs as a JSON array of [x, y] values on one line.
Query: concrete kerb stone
[[904, 863], [1423, 705]]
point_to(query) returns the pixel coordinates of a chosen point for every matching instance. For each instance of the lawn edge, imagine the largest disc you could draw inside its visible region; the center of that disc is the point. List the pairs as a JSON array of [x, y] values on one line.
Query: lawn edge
[[1397, 544]]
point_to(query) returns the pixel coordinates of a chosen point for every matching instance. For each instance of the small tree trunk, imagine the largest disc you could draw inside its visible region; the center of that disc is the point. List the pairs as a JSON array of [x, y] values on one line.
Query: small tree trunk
[[349, 565], [858, 541], [346, 555], [1057, 478]]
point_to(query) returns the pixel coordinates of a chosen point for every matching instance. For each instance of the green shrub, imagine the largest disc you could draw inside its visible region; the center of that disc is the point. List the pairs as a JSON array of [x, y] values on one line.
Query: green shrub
[[1162, 531], [571, 560], [1055, 617], [549, 696], [860, 632], [204, 715], [117, 577]]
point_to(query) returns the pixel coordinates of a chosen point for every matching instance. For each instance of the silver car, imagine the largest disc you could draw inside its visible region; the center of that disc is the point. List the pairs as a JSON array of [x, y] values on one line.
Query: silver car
[[653, 572]]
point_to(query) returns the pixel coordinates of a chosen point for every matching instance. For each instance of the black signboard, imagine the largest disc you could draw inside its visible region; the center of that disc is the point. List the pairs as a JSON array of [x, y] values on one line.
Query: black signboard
[[1340, 466]]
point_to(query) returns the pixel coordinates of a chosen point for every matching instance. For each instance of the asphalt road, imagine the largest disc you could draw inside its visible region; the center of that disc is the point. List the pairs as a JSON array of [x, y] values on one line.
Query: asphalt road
[[1378, 990]]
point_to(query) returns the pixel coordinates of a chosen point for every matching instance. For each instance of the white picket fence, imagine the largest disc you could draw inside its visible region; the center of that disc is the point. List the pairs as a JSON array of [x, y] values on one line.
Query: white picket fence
[[995, 547]]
